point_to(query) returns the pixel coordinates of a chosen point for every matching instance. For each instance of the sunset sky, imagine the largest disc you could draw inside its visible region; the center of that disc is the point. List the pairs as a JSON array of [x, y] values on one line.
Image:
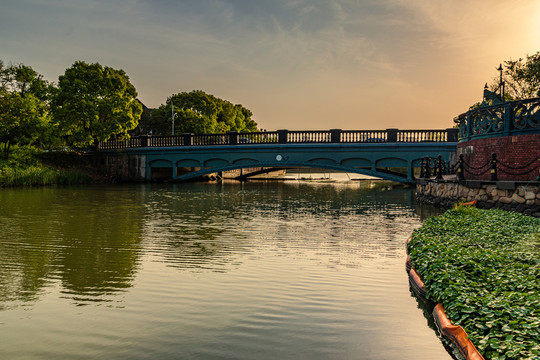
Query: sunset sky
[[296, 64]]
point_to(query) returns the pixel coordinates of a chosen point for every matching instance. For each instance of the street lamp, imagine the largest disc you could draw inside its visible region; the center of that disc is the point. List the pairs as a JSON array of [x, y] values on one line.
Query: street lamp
[[172, 117], [501, 82], [172, 120]]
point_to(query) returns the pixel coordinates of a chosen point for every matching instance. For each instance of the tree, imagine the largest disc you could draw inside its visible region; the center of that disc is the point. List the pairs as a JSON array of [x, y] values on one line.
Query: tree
[[24, 107], [95, 103], [24, 80], [23, 120], [200, 113], [522, 77], [521, 81]]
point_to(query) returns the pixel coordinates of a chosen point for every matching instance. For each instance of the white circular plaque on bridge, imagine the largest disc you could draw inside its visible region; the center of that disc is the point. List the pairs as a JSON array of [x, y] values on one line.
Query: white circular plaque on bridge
[[279, 157]]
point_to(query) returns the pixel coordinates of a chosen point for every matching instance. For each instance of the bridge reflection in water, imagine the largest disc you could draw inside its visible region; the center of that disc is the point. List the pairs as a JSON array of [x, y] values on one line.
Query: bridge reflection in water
[[390, 154]]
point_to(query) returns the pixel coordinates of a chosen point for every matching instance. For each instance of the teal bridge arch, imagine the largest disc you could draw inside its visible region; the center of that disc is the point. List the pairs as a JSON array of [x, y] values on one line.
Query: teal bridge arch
[[369, 152]]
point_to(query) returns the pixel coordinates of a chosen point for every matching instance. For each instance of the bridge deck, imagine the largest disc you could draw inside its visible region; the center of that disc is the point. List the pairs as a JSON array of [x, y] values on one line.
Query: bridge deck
[[378, 159]]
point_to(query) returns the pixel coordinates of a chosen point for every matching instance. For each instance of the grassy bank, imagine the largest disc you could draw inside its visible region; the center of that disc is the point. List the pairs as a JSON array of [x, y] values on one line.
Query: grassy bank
[[484, 267], [40, 175], [25, 167]]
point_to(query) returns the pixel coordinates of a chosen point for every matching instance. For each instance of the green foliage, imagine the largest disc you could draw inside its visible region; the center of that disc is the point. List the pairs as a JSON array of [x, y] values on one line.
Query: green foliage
[[23, 80], [23, 168], [95, 103], [24, 107], [21, 157], [522, 77], [23, 120], [37, 175], [199, 113], [484, 266]]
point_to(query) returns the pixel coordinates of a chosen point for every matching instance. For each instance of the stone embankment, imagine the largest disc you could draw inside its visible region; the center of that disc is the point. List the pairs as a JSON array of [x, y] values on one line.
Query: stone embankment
[[507, 195]]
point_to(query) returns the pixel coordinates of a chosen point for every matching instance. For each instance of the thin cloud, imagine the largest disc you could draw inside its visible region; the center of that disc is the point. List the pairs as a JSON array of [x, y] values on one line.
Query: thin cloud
[[294, 63]]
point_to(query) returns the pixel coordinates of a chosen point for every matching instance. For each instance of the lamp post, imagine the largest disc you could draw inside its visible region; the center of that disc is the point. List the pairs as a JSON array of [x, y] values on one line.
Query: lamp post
[[172, 118], [172, 121], [501, 82]]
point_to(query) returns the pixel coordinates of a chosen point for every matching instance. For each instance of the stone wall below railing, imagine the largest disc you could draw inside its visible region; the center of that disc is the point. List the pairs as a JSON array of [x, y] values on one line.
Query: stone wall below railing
[[507, 195]]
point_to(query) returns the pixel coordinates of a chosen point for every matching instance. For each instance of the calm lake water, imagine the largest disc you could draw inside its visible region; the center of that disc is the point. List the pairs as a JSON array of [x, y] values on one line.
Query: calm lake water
[[261, 270]]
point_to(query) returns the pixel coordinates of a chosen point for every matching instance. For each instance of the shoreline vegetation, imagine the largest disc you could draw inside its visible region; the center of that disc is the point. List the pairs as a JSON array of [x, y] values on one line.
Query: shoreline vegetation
[[483, 266], [41, 176], [29, 166]]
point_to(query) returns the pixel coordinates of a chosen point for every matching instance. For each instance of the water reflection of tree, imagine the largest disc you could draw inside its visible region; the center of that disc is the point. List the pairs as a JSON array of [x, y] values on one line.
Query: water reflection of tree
[[87, 238], [186, 226], [104, 257]]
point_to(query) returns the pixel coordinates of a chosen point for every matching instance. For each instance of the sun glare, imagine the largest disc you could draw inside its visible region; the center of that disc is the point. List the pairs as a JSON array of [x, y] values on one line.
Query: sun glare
[[535, 26]]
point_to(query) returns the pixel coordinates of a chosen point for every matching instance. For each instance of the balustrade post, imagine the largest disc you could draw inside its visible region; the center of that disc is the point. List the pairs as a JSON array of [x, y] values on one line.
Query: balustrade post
[[282, 136], [439, 168], [391, 135], [144, 140], [427, 171], [335, 135], [188, 139], [493, 162], [233, 137], [452, 135], [459, 175]]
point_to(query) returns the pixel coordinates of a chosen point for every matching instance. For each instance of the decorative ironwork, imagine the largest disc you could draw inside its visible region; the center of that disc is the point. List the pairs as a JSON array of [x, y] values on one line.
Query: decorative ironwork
[[492, 165], [509, 118], [526, 115], [439, 170], [427, 169], [489, 120]]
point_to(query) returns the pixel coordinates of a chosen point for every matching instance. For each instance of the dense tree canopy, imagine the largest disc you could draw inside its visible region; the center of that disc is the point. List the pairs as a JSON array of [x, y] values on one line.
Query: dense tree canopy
[[200, 113], [94, 103], [522, 77], [24, 107]]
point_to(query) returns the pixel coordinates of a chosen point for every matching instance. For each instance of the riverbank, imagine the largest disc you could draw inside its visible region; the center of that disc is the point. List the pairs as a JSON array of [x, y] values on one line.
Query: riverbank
[[523, 197], [31, 167], [40, 176], [483, 267]]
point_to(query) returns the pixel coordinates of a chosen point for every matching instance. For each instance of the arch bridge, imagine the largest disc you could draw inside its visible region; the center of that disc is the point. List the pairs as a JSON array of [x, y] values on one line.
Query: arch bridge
[[390, 154]]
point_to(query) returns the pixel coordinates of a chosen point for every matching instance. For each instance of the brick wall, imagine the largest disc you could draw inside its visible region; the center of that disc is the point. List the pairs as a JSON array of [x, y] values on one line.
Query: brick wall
[[514, 151]]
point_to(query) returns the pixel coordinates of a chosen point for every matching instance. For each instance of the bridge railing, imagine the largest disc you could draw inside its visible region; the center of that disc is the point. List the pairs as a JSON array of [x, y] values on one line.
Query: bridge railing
[[510, 118], [134, 142], [287, 137], [299, 137], [163, 141], [209, 139], [361, 136], [422, 135]]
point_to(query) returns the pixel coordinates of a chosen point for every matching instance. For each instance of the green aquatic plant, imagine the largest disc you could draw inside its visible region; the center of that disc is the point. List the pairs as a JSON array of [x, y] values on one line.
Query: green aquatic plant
[[484, 267]]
